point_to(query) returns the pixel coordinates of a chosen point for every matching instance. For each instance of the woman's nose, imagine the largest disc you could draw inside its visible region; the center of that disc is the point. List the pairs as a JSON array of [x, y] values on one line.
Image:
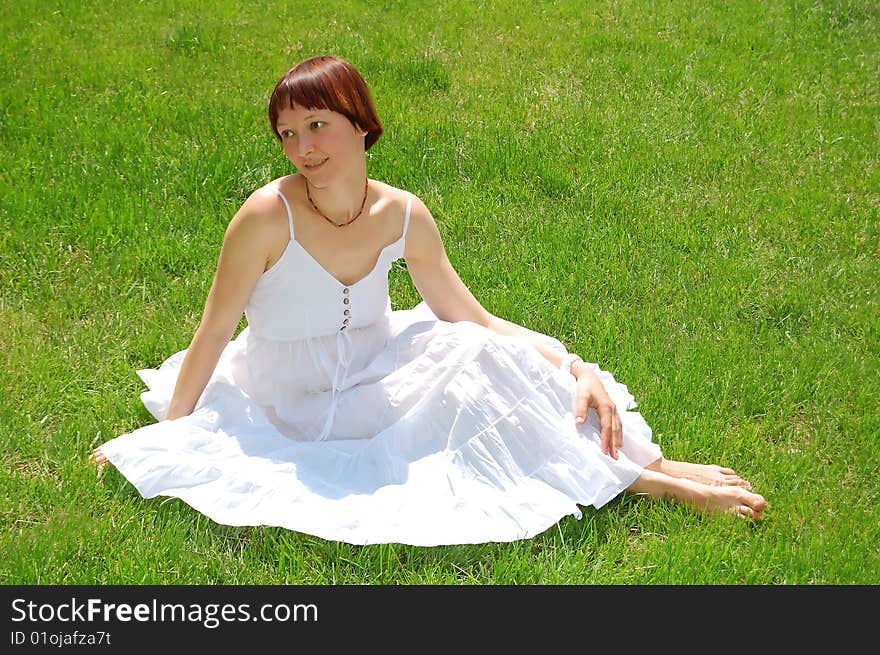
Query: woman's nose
[[305, 146]]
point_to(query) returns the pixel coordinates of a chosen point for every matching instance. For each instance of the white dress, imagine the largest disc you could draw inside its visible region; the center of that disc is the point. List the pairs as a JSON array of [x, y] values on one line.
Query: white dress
[[333, 415]]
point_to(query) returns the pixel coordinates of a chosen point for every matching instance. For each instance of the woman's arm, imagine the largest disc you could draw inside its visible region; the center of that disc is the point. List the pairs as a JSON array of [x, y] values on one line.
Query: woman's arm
[[243, 258], [443, 291]]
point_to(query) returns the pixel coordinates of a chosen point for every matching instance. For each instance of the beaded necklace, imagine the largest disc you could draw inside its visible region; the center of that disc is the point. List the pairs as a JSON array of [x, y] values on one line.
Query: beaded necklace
[[348, 222]]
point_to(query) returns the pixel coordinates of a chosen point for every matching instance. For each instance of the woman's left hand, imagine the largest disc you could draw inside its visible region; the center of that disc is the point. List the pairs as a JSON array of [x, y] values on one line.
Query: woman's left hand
[[591, 393]]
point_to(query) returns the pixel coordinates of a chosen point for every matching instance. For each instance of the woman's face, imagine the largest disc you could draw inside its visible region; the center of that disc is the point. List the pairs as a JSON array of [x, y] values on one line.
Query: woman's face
[[321, 143]]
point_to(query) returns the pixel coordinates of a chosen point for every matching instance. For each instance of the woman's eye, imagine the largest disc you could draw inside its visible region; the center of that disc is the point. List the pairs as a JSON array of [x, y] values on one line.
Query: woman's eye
[[317, 124], [285, 134]]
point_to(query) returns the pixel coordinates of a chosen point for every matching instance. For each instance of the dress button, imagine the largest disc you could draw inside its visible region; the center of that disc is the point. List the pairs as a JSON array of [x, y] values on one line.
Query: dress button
[[345, 300], [345, 322], [345, 291], [342, 328], [347, 312]]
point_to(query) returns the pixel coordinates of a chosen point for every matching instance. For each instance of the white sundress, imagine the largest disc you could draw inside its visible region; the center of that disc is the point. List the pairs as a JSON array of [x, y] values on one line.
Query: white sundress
[[332, 415]]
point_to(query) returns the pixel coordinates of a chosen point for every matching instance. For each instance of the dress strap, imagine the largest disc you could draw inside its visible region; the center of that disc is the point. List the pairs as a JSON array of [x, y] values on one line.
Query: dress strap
[[290, 214], [408, 210]]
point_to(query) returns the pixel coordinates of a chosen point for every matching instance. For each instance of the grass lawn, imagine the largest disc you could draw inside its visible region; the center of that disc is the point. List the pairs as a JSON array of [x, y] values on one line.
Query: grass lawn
[[687, 195]]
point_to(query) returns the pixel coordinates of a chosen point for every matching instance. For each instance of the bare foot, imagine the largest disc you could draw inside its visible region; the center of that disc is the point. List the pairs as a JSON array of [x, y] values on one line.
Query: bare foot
[[710, 474], [97, 457], [703, 497], [734, 499]]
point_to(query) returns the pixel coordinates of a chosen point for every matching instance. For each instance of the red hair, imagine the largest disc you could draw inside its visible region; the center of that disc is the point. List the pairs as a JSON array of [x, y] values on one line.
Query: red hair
[[327, 83]]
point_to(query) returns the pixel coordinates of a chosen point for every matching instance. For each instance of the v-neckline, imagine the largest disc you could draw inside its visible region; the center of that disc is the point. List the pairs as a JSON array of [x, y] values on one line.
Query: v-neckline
[[293, 240], [333, 277]]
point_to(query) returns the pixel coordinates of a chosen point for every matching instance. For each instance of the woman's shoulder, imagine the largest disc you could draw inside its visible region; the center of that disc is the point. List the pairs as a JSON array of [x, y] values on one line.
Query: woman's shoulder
[[388, 195], [267, 196], [266, 201], [422, 235], [262, 211], [399, 199]]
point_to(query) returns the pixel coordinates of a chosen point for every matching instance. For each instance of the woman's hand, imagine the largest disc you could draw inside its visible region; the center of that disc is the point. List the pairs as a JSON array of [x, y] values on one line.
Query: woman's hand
[[591, 393]]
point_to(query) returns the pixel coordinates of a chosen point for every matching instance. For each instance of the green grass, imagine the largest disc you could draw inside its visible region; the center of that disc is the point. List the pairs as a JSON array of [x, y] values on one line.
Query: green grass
[[685, 194]]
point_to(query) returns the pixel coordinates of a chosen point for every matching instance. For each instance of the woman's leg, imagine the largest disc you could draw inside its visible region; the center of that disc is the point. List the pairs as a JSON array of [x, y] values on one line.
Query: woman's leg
[[706, 488]]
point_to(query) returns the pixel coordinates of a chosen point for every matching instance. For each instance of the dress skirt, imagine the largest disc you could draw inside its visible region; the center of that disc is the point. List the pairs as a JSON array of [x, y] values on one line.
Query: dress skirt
[[412, 430]]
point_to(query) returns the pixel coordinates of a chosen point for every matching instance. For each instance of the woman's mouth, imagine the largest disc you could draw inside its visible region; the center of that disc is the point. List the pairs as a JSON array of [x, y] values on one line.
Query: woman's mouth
[[313, 166]]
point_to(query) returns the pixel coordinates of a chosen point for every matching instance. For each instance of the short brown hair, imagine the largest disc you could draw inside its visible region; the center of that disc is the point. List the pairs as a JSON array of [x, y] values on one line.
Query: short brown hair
[[327, 83]]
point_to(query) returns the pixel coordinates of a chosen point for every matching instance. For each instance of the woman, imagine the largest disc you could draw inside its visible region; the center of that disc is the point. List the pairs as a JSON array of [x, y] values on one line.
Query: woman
[[333, 415]]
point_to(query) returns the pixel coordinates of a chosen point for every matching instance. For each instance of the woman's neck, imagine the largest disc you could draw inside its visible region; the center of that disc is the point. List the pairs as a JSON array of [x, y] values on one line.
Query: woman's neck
[[341, 199]]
